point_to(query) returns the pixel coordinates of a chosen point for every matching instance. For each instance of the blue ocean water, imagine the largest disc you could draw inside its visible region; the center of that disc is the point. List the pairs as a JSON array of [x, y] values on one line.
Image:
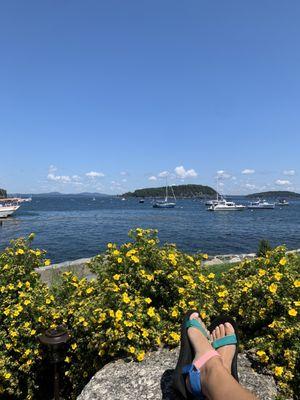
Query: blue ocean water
[[75, 227]]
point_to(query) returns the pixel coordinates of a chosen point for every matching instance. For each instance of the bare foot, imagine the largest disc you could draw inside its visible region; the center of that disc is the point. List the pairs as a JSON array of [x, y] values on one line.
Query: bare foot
[[226, 352], [201, 345]]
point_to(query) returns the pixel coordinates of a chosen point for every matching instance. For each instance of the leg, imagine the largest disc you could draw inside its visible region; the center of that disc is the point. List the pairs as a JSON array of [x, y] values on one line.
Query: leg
[[217, 382]]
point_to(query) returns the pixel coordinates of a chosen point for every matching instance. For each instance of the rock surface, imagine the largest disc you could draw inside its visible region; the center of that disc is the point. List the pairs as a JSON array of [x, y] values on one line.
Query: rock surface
[[152, 379]]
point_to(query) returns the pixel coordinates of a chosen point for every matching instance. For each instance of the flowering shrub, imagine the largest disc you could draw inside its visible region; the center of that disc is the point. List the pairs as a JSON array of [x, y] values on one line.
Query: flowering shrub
[[136, 304], [264, 297]]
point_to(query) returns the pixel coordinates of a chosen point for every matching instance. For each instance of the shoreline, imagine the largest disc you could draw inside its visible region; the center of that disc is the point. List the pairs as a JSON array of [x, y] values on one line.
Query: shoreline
[[50, 274]]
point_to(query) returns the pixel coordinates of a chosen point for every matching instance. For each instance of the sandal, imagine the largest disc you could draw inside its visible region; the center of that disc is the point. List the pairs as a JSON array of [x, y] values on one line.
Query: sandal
[[227, 340], [185, 365]]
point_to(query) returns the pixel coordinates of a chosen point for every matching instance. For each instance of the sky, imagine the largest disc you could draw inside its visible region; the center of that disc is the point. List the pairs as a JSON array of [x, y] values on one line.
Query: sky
[[111, 96]]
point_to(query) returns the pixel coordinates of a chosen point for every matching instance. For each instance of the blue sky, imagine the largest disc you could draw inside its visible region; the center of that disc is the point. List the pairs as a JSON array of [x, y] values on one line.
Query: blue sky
[[111, 96]]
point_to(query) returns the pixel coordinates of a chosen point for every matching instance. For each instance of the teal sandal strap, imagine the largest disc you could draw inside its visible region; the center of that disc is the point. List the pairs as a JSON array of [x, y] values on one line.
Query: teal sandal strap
[[193, 323], [224, 341]]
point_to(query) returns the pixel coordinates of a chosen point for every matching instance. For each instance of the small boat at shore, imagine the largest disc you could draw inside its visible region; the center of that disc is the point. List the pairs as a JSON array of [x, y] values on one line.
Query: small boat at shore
[[224, 205], [9, 206], [261, 205]]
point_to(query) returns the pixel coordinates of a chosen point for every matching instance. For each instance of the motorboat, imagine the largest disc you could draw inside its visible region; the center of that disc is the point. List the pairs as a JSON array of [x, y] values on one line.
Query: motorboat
[[282, 202], [224, 205], [8, 207], [141, 201], [261, 205]]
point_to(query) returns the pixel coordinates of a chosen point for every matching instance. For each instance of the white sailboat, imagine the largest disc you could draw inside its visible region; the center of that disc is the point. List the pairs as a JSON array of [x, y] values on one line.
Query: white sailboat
[[166, 203], [261, 205]]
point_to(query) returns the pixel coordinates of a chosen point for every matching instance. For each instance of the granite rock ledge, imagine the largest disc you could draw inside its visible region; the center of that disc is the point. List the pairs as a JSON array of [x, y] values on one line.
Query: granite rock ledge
[[152, 378]]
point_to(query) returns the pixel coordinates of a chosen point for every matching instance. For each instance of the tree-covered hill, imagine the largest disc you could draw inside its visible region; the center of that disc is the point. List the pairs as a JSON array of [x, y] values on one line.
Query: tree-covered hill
[[276, 194], [3, 193], [199, 191]]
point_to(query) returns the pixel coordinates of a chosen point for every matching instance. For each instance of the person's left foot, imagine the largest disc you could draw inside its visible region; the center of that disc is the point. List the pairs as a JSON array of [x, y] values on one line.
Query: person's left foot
[[226, 352]]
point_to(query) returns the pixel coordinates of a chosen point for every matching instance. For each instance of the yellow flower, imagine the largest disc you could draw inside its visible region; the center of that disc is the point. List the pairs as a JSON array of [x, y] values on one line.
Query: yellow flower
[[141, 355], [130, 335], [292, 312], [32, 332], [262, 355], [116, 252], [119, 315], [223, 293], [283, 261], [7, 375], [278, 276], [47, 262], [119, 260], [109, 245], [125, 298], [74, 346], [174, 313], [131, 349], [148, 300], [278, 371], [67, 359], [273, 288], [261, 272], [20, 251], [175, 336], [297, 303], [151, 312], [38, 253], [116, 277], [135, 259], [89, 290], [297, 283], [26, 302], [211, 275], [205, 256]]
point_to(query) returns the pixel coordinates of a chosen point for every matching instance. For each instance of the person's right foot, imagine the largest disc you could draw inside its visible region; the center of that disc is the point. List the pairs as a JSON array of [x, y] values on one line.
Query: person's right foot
[[226, 352]]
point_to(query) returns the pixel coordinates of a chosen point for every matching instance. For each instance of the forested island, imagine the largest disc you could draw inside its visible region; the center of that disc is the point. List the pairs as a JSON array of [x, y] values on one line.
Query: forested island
[[3, 194], [180, 191], [276, 194]]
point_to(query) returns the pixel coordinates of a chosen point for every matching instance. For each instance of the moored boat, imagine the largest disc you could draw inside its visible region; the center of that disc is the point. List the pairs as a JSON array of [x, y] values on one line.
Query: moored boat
[[166, 203], [261, 205], [8, 207], [282, 202], [224, 205]]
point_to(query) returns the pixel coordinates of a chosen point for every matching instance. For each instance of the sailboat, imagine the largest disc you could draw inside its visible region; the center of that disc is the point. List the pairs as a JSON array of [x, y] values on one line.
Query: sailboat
[[166, 203]]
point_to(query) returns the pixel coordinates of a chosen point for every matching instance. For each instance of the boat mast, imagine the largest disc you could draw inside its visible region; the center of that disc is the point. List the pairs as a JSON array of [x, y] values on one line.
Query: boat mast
[[166, 198]]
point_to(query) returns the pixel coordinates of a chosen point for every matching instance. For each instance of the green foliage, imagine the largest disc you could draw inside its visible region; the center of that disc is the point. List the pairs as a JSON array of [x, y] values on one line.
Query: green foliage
[[263, 247], [3, 193], [179, 191], [136, 305]]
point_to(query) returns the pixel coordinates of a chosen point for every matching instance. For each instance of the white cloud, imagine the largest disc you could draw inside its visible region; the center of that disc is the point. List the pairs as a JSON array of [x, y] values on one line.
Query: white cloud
[[223, 174], [123, 173], [250, 186], [59, 178], [124, 180], [152, 178], [76, 178], [182, 173], [289, 172], [248, 171], [94, 174], [163, 174], [282, 182]]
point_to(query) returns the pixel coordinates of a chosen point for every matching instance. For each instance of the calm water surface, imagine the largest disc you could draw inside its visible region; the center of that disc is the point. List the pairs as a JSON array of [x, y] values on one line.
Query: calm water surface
[[75, 227]]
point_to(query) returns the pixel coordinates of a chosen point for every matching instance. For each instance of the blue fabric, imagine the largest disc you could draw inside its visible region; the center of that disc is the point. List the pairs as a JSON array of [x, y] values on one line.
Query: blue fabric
[[193, 323], [194, 379], [224, 341]]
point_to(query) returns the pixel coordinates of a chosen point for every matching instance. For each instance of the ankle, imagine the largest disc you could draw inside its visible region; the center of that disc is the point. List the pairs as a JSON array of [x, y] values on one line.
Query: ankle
[[209, 371]]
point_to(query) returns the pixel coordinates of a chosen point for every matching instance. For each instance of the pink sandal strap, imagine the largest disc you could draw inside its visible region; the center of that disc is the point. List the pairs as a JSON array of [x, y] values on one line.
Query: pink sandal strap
[[207, 356]]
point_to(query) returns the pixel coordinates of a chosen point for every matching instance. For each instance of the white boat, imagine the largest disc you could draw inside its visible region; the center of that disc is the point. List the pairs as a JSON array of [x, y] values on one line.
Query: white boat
[[8, 207], [166, 203], [261, 205], [224, 205], [282, 202]]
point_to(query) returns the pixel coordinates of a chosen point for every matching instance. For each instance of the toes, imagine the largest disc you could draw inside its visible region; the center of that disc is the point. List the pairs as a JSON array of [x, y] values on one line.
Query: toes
[[195, 315], [222, 330], [218, 334], [229, 329]]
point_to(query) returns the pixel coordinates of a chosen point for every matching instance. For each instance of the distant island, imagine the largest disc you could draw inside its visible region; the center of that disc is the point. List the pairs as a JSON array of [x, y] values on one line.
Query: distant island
[[3, 193], [276, 194], [180, 191]]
